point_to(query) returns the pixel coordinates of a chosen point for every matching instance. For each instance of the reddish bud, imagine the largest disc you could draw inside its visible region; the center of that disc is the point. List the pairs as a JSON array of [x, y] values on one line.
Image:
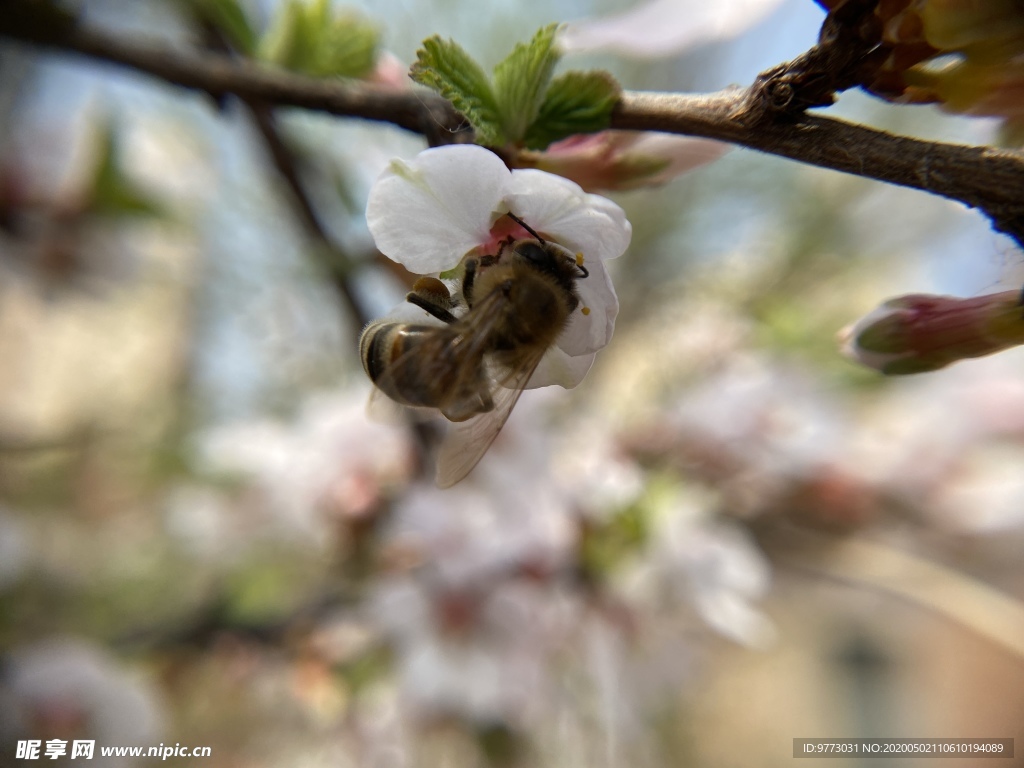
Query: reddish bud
[[921, 332]]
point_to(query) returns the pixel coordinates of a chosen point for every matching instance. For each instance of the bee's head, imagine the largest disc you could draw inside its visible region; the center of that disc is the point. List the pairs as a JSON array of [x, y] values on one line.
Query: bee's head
[[550, 258], [546, 256]]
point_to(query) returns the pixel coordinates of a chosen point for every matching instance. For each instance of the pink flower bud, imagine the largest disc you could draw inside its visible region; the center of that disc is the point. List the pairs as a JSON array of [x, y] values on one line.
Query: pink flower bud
[[617, 160], [922, 332]]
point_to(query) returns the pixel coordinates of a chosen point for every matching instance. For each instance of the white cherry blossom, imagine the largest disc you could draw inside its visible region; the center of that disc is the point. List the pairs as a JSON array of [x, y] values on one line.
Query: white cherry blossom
[[451, 202]]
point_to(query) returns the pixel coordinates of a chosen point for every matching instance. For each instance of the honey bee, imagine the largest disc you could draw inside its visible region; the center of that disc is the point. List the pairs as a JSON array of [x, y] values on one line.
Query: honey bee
[[514, 304]]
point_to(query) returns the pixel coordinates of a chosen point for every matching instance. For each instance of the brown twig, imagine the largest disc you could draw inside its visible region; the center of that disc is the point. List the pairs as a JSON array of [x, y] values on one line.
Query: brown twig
[[986, 178], [284, 161], [837, 62], [287, 166]]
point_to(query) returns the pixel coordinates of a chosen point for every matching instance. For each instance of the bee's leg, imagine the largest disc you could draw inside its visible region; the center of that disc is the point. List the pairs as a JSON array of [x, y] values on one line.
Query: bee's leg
[[468, 278], [431, 295]]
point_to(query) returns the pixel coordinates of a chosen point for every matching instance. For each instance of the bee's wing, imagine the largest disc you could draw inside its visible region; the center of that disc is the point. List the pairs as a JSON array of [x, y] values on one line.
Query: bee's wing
[[467, 441]]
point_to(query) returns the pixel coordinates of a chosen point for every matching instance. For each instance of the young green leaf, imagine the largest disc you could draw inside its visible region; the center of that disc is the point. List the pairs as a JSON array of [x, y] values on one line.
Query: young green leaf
[[521, 79], [110, 193], [306, 38], [350, 47], [575, 102], [444, 66], [229, 18], [284, 41]]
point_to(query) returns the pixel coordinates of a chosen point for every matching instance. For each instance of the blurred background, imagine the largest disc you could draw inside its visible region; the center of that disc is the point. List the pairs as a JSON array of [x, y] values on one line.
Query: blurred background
[[726, 538]]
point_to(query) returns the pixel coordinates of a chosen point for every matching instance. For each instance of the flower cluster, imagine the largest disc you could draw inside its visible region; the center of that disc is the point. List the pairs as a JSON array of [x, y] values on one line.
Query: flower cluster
[[451, 202]]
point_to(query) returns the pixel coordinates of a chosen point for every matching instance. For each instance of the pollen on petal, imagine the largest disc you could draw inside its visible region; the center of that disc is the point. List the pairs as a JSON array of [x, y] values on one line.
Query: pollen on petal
[[585, 310], [579, 259]]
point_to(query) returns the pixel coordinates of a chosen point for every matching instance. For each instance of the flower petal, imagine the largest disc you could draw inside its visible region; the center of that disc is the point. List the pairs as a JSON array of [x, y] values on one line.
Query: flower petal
[[588, 333], [623, 159], [583, 223], [682, 153], [556, 367], [428, 213]]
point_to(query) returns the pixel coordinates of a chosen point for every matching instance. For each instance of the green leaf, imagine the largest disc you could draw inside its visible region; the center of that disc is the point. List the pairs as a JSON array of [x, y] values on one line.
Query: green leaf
[[283, 42], [521, 79], [524, 106], [229, 18], [350, 47], [111, 194], [306, 38], [445, 67], [575, 102]]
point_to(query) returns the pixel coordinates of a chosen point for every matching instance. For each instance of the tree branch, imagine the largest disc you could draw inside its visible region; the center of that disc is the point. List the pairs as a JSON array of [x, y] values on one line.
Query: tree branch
[[218, 74], [986, 178]]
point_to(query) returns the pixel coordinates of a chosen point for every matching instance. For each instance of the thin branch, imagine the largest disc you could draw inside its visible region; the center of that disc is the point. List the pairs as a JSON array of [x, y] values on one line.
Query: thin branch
[[218, 74], [286, 166], [986, 178]]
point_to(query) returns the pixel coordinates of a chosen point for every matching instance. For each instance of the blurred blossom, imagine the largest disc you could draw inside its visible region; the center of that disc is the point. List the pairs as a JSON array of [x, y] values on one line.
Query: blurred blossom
[[390, 71], [475, 613], [715, 564], [592, 469], [331, 463], [985, 491], [70, 689], [451, 201], [769, 440], [509, 515], [773, 417], [473, 651], [943, 445], [620, 160], [471, 532], [922, 332], [665, 27], [766, 440]]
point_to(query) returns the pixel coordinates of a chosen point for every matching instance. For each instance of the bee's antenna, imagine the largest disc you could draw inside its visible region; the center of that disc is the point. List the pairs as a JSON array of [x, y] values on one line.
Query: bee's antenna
[[584, 272], [525, 226]]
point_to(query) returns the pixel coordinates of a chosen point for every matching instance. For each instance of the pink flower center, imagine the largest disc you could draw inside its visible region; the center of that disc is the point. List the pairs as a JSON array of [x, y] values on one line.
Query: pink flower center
[[503, 229]]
